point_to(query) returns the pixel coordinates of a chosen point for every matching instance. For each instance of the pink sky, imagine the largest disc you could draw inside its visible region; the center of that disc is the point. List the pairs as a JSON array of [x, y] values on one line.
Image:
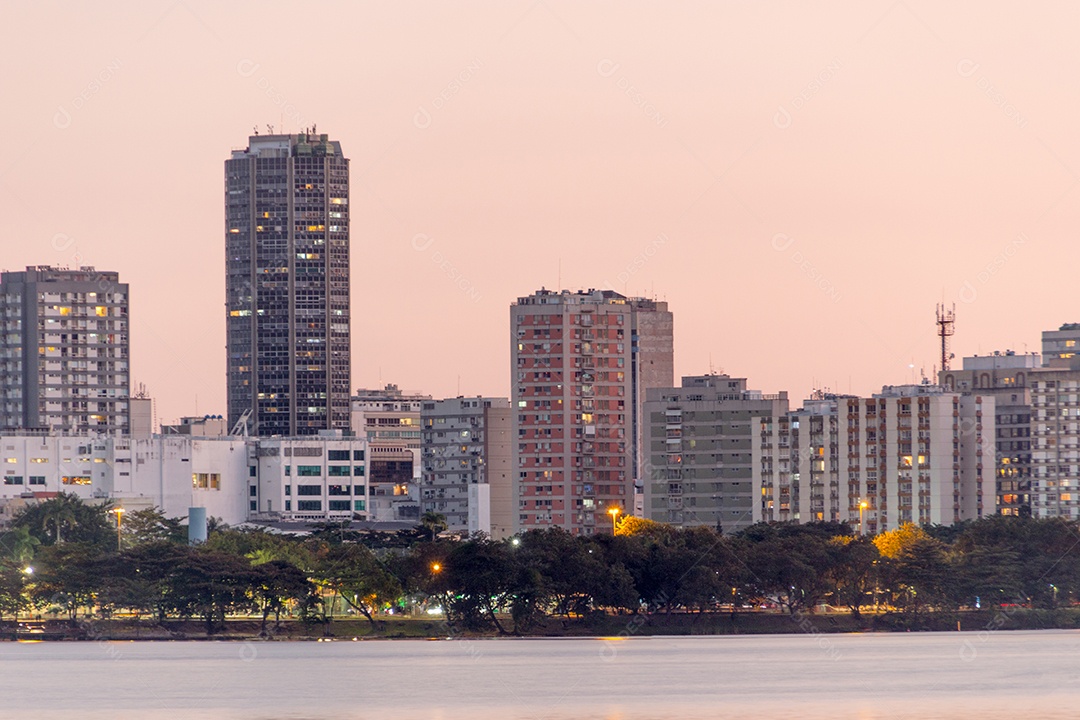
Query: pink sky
[[802, 182]]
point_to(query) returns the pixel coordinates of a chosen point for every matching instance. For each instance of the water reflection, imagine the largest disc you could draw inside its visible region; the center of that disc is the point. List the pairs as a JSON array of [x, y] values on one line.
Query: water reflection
[[851, 677]]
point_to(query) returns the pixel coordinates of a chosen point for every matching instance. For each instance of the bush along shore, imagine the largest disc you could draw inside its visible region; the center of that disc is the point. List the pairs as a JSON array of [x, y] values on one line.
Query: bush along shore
[[66, 572]]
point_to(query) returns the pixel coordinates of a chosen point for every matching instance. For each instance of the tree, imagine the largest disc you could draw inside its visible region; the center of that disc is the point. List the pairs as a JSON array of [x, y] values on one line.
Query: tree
[[433, 522], [631, 525], [792, 563], [143, 578], [482, 579], [854, 573], [20, 545], [66, 518], [150, 525], [68, 575], [210, 585], [890, 544], [276, 583], [353, 572], [13, 578], [921, 574]]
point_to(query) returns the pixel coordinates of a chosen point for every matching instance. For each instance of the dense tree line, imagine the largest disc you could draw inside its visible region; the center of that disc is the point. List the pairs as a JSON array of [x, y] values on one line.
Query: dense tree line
[[62, 556]]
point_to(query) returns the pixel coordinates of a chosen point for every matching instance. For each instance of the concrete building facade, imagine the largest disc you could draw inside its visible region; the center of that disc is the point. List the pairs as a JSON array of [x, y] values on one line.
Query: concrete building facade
[[64, 351], [236, 479], [461, 438], [700, 441], [287, 285], [1007, 377], [1055, 441], [725, 456], [390, 422], [581, 365], [308, 479]]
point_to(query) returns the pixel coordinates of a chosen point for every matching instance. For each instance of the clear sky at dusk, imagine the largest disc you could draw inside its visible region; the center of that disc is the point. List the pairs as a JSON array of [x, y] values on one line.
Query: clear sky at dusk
[[802, 182]]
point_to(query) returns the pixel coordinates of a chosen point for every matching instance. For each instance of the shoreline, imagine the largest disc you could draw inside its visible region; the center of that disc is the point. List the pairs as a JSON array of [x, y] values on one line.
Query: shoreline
[[594, 626]]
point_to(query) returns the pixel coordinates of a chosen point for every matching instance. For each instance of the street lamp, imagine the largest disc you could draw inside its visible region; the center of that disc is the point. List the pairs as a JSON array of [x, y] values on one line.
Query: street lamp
[[28, 571], [614, 513], [436, 567], [119, 514], [862, 506]]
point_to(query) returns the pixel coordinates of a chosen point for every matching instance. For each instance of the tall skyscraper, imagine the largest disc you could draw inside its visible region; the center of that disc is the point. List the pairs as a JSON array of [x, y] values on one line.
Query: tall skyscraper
[[287, 284], [581, 364], [64, 351]]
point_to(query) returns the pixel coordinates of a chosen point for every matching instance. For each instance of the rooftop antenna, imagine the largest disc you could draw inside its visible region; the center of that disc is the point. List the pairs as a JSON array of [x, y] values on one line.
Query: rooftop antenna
[[256, 129], [270, 129], [946, 322], [559, 285]]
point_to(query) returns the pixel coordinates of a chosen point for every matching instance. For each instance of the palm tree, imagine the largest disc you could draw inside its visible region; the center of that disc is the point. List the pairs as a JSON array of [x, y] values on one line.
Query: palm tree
[[57, 512], [433, 522], [23, 545]]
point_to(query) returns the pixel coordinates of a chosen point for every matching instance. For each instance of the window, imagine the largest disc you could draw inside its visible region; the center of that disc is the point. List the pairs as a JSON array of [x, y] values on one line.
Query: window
[[251, 471], [338, 471], [309, 489], [358, 470], [358, 490], [206, 481], [339, 505], [13, 480], [288, 505], [358, 455], [288, 489], [37, 479], [288, 470], [253, 505], [337, 490], [75, 480], [337, 455], [308, 470], [253, 490], [309, 505], [358, 505]]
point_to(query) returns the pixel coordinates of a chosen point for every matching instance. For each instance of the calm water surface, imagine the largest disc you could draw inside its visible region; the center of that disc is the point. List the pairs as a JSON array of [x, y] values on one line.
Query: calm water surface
[[989, 676]]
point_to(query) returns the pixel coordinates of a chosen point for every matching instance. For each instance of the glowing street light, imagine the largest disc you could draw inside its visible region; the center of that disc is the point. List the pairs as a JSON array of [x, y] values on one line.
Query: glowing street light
[[614, 513], [862, 506], [436, 567], [119, 514]]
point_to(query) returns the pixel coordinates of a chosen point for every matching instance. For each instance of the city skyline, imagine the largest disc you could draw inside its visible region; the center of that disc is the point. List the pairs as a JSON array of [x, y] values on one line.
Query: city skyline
[[800, 203]]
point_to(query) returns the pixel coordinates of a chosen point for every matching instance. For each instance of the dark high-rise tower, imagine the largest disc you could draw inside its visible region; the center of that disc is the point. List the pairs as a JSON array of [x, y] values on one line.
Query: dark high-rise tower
[[287, 284]]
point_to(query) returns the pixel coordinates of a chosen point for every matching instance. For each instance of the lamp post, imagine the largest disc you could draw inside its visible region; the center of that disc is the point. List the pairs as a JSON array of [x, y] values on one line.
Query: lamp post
[[119, 515], [862, 506], [29, 573], [614, 513]]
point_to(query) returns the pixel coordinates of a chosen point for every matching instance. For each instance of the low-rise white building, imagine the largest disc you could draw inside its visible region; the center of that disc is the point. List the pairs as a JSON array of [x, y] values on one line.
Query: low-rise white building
[[309, 479], [235, 479]]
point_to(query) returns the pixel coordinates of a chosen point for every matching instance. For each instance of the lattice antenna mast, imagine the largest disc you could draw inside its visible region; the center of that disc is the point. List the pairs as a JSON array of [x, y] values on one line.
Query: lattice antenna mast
[[946, 322]]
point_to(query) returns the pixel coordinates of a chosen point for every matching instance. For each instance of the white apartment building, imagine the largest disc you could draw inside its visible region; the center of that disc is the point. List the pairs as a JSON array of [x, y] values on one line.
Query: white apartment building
[[912, 453], [308, 479], [1055, 442], [725, 456]]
